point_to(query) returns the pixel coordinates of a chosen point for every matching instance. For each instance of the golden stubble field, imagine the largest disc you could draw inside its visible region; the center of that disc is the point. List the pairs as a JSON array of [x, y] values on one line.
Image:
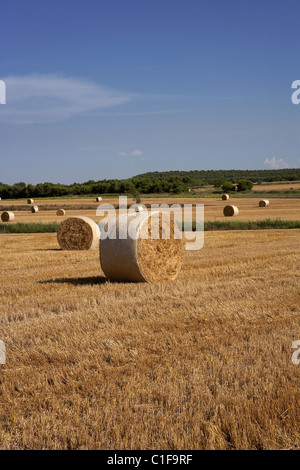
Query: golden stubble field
[[285, 208], [200, 363]]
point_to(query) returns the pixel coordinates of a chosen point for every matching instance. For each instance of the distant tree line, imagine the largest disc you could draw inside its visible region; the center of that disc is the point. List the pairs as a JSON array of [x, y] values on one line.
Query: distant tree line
[[172, 182], [132, 186], [217, 177]]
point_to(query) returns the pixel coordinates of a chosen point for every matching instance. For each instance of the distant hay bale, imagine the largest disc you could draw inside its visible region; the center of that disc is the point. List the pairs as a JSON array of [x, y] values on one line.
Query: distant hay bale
[[225, 197], [230, 211], [7, 216], [78, 233], [98, 199], [34, 209], [61, 212], [136, 258], [30, 201], [264, 203], [138, 207]]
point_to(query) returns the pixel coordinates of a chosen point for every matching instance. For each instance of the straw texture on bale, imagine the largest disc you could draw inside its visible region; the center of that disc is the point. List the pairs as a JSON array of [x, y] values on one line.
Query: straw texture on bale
[[34, 209], [142, 258], [98, 199], [264, 203], [78, 233], [30, 201], [61, 212], [225, 197], [230, 211], [7, 216]]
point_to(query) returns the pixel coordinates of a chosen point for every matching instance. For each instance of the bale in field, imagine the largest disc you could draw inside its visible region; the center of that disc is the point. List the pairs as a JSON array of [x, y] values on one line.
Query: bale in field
[[264, 203], [78, 233], [98, 199], [230, 211], [7, 216], [30, 201], [138, 207], [140, 257], [225, 197], [61, 212], [34, 209]]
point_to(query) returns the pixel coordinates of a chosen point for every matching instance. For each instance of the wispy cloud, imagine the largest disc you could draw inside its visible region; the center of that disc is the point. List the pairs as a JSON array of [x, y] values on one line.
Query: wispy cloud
[[276, 163], [134, 153], [50, 98]]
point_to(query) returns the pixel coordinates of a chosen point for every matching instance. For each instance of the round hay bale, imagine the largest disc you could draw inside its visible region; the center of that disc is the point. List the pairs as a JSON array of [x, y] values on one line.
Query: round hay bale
[[30, 201], [230, 211], [7, 216], [78, 233], [60, 212], [264, 203], [34, 209], [225, 197], [140, 258], [98, 199], [138, 207]]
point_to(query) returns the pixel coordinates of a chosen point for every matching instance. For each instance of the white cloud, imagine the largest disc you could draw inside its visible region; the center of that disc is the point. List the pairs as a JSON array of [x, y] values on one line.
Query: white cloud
[[276, 163], [50, 98], [134, 153]]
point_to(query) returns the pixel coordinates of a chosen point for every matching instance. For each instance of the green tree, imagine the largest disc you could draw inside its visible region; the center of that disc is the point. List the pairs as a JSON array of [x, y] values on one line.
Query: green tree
[[227, 186], [244, 185]]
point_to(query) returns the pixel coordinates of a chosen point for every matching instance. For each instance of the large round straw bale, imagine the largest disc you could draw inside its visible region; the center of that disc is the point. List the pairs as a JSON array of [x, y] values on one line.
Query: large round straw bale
[[230, 211], [225, 197], [61, 212], [30, 201], [7, 216], [78, 233], [98, 199], [264, 203], [34, 209], [140, 257]]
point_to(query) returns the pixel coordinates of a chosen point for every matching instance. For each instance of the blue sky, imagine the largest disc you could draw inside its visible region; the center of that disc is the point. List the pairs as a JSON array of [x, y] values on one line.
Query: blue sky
[[112, 88]]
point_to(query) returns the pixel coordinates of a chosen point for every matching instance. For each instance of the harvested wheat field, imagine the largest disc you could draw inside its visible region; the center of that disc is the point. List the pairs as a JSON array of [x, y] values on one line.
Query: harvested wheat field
[[283, 208], [203, 362]]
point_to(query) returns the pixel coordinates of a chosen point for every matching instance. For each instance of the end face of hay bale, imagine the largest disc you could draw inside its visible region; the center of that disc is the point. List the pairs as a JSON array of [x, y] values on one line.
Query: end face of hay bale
[[60, 212], [264, 203], [230, 211], [34, 209], [142, 258], [78, 233], [7, 216], [30, 201], [225, 197], [98, 199]]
